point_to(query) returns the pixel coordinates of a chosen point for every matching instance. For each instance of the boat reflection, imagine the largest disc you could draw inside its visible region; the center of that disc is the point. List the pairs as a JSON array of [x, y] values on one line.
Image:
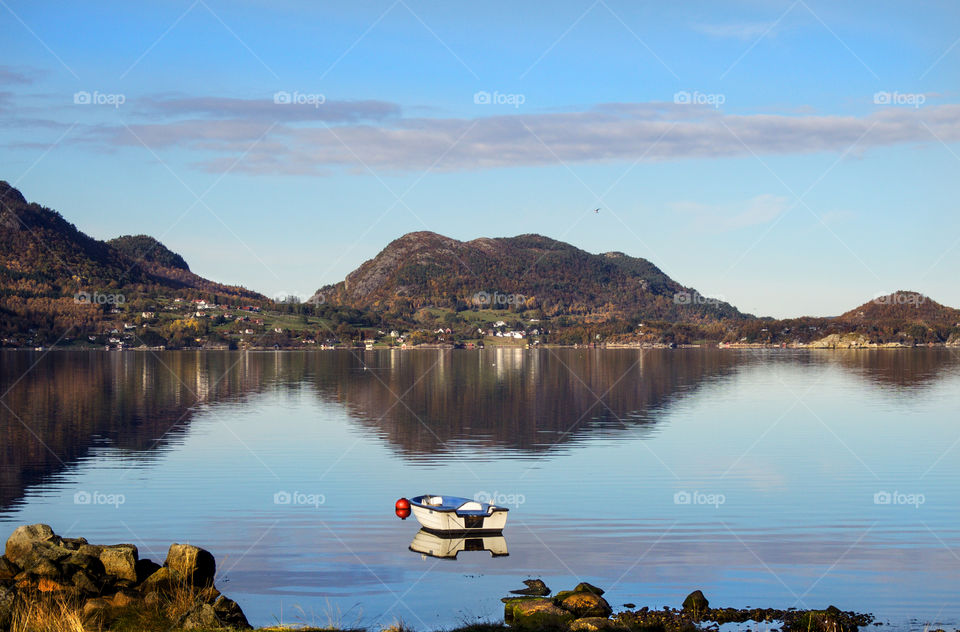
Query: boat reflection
[[429, 544]]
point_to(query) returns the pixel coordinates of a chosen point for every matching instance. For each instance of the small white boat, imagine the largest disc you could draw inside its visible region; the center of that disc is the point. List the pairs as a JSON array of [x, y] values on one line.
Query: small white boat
[[452, 514], [445, 547]]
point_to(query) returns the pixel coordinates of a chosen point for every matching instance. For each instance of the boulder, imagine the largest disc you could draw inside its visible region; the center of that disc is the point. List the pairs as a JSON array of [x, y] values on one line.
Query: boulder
[[146, 568], [696, 603], [534, 587], [21, 541], [229, 613], [191, 563], [202, 617], [586, 604], [77, 561], [591, 624], [590, 588], [85, 583], [73, 543], [47, 585], [122, 599], [120, 561], [95, 611], [43, 567], [8, 570], [535, 614], [161, 581], [93, 550]]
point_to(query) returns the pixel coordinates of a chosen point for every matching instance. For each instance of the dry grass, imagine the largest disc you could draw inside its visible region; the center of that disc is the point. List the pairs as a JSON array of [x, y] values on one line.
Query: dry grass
[[55, 613], [47, 614]]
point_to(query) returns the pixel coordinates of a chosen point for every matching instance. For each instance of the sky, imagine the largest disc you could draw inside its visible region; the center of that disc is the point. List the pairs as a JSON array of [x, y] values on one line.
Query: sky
[[793, 158]]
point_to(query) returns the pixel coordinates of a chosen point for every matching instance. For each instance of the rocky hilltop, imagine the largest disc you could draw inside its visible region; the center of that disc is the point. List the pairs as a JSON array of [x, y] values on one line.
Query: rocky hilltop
[[45, 577], [424, 269]]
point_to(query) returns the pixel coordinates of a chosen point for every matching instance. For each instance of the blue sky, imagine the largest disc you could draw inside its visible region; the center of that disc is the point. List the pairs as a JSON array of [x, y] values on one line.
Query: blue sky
[[790, 157]]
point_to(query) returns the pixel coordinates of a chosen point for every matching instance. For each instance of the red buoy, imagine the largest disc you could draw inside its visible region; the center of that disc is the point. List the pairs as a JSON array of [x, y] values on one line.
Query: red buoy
[[403, 508]]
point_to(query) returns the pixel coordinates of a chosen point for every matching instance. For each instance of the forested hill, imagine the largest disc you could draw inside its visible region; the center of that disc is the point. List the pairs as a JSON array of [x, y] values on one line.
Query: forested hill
[[424, 269]]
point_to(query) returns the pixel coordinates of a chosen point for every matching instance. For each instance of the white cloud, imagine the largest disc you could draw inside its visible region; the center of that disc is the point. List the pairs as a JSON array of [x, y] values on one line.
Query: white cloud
[[604, 133], [742, 31], [758, 210]]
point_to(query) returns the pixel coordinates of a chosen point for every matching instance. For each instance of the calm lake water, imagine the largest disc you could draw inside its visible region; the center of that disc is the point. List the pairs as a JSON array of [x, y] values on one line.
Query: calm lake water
[[764, 478]]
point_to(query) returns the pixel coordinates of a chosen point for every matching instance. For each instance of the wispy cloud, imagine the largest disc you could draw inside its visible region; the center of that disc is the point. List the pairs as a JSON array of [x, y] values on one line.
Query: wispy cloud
[[313, 107], [756, 211], [306, 139], [744, 31], [9, 75]]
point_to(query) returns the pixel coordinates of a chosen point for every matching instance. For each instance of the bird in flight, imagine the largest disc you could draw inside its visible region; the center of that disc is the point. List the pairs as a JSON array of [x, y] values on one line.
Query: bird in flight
[[596, 210]]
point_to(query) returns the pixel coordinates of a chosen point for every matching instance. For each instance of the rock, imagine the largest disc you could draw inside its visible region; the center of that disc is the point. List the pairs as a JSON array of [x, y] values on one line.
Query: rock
[[120, 560], [201, 617], [591, 624], [8, 570], [586, 604], [48, 585], [209, 595], [122, 600], [192, 563], [44, 567], [95, 611], [146, 568], [8, 598], [73, 543], [92, 566], [85, 584], [535, 614], [21, 541], [534, 587], [229, 612], [630, 605], [696, 603], [590, 588], [93, 550], [161, 581]]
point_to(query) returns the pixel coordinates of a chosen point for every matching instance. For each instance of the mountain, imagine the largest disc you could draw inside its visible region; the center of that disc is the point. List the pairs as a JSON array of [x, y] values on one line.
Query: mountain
[[424, 269], [903, 306], [46, 262]]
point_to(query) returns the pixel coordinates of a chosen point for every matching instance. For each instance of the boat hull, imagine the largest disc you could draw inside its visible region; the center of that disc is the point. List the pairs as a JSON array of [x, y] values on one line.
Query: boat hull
[[450, 522]]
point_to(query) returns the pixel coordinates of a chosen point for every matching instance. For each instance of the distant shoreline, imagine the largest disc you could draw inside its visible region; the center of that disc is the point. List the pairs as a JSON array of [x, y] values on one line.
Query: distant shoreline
[[601, 347]]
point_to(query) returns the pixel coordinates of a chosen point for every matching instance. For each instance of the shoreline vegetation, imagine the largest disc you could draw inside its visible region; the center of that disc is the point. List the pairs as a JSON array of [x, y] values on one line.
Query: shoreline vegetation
[[50, 583]]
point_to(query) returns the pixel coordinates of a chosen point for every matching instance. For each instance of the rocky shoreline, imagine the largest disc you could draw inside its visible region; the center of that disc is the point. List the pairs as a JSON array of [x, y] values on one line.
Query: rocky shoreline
[[51, 583], [584, 609], [47, 578]]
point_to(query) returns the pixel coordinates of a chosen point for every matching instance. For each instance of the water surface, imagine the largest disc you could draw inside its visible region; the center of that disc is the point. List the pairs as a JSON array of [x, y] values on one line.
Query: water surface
[[760, 477]]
